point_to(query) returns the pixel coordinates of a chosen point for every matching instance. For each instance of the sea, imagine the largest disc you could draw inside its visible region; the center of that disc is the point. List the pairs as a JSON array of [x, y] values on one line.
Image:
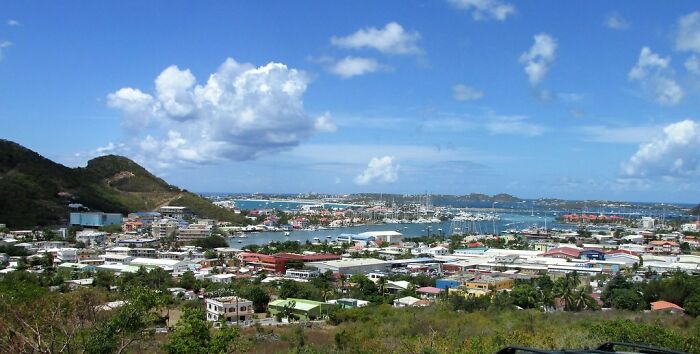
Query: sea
[[516, 215]]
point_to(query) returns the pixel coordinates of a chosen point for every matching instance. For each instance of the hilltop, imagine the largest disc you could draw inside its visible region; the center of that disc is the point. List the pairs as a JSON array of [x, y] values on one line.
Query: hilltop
[[35, 191]]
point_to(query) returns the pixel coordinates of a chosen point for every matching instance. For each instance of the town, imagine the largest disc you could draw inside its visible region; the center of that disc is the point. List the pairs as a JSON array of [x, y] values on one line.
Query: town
[[634, 264]]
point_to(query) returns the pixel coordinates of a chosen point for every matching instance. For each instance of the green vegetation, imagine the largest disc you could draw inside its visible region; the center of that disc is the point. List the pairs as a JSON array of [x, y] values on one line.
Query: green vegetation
[[211, 242], [36, 191]]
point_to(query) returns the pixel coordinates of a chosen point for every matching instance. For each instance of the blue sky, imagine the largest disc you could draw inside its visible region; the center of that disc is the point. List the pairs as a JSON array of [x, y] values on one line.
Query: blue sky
[[536, 99]]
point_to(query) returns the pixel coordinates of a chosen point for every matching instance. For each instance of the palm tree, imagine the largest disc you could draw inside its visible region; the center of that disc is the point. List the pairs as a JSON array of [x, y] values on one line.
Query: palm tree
[[381, 282], [583, 300], [565, 288]]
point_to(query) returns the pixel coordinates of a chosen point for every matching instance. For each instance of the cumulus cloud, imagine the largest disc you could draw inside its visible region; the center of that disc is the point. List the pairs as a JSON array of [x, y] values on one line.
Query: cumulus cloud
[[240, 113], [692, 64], [380, 169], [617, 22], [688, 33], [354, 66], [13, 23], [392, 39], [674, 153], [514, 125], [536, 61], [3, 46], [466, 93], [485, 9], [655, 76]]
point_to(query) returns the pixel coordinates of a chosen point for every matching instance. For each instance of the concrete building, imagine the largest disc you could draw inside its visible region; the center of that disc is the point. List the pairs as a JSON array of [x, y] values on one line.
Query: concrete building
[[95, 219], [194, 232], [304, 309], [67, 255], [384, 236], [647, 222], [231, 309], [175, 212], [301, 273], [170, 265], [138, 242], [163, 228], [352, 266], [91, 238]]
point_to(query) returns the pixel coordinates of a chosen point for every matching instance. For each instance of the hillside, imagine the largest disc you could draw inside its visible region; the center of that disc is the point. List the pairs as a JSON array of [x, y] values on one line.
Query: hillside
[[36, 191]]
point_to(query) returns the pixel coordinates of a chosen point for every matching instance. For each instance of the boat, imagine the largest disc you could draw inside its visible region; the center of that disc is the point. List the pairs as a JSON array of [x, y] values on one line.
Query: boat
[[286, 233]]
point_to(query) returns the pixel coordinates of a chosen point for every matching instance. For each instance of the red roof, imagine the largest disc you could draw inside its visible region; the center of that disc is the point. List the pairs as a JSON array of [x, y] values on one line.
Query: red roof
[[429, 290], [664, 305], [567, 251], [623, 251]]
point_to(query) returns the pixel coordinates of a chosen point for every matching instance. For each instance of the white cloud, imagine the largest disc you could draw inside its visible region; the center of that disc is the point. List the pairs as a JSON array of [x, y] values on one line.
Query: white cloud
[[13, 23], [380, 169], [325, 124], [3, 45], [514, 125], [392, 39], [623, 135], [617, 22], [485, 9], [688, 35], [466, 93], [354, 66], [655, 76], [674, 153], [241, 113], [692, 64], [538, 58]]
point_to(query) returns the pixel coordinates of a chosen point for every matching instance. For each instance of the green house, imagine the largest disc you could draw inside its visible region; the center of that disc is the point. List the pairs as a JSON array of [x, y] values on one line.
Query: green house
[[305, 309]]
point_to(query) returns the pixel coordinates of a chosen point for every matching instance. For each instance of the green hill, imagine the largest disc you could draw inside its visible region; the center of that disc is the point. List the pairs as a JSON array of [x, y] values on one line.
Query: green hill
[[35, 191]]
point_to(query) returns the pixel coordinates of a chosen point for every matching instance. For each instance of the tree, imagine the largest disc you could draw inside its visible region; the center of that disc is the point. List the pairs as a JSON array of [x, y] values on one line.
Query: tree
[[627, 299], [210, 254], [191, 335], [692, 305], [187, 280], [526, 296], [104, 279], [258, 296], [211, 242]]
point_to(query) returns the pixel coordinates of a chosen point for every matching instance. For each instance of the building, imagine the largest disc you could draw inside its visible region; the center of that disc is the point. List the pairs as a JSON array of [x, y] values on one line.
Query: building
[[95, 219], [563, 252], [302, 308], [353, 266], [222, 278], [132, 226], [484, 284], [410, 301], [666, 306], [647, 222], [277, 263], [301, 273], [67, 255], [164, 228], [175, 212], [170, 265], [663, 247], [138, 242], [384, 236], [91, 238], [194, 232], [231, 310]]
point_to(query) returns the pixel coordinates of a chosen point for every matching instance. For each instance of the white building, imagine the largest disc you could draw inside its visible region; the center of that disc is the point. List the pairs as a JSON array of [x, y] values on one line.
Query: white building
[[647, 222], [91, 238], [352, 266], [163, 228], [233, 309], [301, 273], [170, 265], [194, 232], [67, 255], [222, 278], [384, 236]]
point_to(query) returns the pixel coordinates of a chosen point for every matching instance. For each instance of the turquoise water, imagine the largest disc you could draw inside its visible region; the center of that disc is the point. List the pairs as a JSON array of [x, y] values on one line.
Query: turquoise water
[[508, 221]]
